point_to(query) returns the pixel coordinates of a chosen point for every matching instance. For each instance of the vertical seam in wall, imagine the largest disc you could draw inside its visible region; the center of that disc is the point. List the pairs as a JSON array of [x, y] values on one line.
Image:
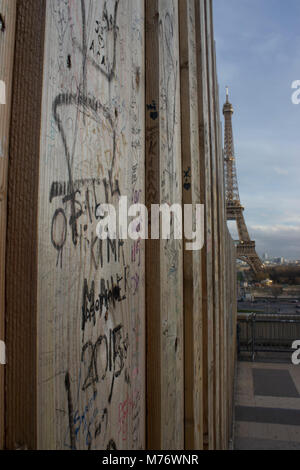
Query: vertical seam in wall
[[22, 233]]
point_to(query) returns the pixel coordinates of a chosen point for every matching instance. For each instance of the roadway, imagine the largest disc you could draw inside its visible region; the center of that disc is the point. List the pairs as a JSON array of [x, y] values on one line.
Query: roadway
[[270, 306]]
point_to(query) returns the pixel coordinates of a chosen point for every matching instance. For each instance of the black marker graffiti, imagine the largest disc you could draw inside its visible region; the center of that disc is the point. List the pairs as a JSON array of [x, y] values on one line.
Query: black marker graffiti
[[115, 348], [111, 25], [59, 232], [187, 179], [71, 411], [2, 24], [111, 445], [89, 106], [110, 293], [153, 110]]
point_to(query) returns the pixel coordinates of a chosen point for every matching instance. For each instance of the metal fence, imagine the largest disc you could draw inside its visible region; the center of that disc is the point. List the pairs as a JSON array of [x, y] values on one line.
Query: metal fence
[[267, 333]]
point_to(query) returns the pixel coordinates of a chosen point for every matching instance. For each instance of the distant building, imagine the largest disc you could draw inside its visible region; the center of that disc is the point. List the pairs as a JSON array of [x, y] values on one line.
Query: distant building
[[267, 282], [241, 263], [279, 260]]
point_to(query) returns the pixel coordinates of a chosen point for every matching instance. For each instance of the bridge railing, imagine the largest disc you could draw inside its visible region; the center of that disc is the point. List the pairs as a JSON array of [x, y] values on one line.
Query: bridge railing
[[267, 333]]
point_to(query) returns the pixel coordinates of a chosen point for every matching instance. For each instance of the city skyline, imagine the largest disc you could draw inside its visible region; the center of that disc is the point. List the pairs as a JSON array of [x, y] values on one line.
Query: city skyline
[[257, 45]]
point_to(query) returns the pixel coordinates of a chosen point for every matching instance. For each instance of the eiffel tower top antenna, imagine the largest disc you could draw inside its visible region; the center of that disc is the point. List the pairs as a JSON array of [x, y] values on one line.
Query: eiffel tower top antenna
[[232, 191]]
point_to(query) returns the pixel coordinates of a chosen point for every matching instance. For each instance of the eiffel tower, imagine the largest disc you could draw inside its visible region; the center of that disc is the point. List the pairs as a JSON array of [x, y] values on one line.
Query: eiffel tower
[[246, 250]]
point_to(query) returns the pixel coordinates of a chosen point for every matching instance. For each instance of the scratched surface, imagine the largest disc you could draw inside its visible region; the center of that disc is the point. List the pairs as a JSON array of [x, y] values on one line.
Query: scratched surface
[[90, 292], [171, 250], [215, 223], [206, 199], [164, 258], [191, 195]]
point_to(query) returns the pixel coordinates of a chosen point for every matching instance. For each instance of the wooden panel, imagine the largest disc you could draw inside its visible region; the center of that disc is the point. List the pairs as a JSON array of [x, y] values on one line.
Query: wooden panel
[[232, 331], [171, 250], [221, 227], [192, 259], [21, 260], [126, 104], [215, 227], [163, 106], [7, 42], [223, 349], [231, 327], [205, 187], [222, 265], [153, 284], [91, 319]]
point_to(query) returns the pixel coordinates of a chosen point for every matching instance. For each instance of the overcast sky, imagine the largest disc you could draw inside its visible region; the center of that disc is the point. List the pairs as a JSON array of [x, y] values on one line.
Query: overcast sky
[[258, 54]]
